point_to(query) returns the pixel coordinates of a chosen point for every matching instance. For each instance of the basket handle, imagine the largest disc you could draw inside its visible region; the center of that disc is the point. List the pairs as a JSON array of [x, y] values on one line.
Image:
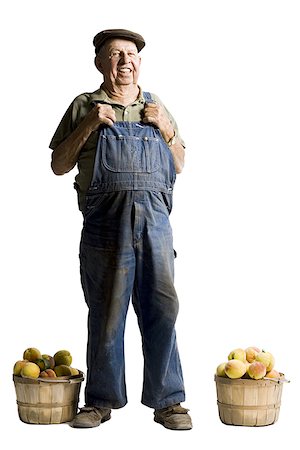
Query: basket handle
[[277, 380], [75, 379]]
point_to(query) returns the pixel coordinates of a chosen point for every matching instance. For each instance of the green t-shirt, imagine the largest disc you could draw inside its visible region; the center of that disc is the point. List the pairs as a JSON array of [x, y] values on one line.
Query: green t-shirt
[[76, 112]]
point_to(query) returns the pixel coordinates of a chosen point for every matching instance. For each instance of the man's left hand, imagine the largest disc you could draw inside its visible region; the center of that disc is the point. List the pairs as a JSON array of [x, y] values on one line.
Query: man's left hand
[[155, 114]]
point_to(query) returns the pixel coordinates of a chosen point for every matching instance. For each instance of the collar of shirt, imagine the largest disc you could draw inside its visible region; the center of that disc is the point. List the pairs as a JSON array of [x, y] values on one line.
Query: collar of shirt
[[101, 96]]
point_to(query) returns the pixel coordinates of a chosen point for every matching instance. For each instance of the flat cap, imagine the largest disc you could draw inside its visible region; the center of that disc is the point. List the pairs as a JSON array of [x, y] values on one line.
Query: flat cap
[[104, 35]]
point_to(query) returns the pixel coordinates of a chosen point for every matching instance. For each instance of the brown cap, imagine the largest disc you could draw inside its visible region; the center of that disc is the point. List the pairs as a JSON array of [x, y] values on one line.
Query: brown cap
[[101, 37]]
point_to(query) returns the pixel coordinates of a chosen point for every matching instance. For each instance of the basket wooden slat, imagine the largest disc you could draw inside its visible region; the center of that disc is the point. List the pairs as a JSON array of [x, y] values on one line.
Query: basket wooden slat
[[248, 402], [47, 401]]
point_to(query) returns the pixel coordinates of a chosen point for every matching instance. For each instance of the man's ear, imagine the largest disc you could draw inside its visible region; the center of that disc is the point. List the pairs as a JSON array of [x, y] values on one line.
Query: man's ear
[[98, 64]]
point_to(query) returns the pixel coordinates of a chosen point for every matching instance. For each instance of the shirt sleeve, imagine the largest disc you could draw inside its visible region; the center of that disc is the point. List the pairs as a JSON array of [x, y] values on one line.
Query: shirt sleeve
[[64, 128], [70, 120]]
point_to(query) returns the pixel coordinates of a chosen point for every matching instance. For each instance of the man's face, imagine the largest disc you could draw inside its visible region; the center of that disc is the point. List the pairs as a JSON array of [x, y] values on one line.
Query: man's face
[[119, 62]]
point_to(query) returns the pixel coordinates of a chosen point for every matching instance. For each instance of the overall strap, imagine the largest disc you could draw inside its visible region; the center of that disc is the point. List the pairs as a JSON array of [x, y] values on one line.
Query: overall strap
[[147, 97]]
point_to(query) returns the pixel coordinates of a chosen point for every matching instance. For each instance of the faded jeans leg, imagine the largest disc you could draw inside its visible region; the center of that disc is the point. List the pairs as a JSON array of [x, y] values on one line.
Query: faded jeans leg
[[156, 305], [107, 279]]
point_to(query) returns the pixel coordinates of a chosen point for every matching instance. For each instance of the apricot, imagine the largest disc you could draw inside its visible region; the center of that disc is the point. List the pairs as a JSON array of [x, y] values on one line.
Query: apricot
[[30, 370], [19, 366], [267, 359], [63, 357], [32, 354], [62, 370], [256, 370], [220, 371], [238, 353], [251, 353], [273, 374], [235, 368], [48, 373]]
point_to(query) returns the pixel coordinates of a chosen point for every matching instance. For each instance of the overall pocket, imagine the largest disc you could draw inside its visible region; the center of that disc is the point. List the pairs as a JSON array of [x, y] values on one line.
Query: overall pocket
[[130, 153], [93, 202]]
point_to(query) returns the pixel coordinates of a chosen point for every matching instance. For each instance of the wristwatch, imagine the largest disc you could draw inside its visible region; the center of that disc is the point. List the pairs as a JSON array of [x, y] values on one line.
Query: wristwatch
[[173, 140]]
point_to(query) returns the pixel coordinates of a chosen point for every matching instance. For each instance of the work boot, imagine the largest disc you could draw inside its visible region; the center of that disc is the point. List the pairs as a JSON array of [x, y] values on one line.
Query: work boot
[[90, 417], [174, 417]]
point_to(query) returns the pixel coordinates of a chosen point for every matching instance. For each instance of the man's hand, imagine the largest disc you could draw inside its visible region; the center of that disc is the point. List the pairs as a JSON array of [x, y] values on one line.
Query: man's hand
[[65, 156], [100, 114], [156, 115]]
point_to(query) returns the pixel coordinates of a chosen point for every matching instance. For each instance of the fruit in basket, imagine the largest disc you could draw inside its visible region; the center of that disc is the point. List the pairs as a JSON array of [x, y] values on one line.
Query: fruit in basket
[[30, 370], [256, 370], [50, 359], [220, 371], [267, 359], [251, 363], [37, 365], [48, 373], [18, 366], [32, 354], [238, 353], [62, 370], [63, 357], [235, 368], [251, 353]]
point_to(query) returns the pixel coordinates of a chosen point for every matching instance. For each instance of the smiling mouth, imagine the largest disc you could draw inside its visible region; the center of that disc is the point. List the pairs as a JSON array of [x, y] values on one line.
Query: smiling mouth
[[124, 70]]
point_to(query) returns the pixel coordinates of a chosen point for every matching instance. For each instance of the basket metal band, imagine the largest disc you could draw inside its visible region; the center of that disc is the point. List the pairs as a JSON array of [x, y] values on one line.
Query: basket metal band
[[226, 405], [45, 405]]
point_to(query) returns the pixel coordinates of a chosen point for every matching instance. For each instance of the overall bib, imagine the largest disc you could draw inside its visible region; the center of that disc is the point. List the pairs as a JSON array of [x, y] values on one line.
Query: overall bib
[[126, 251]]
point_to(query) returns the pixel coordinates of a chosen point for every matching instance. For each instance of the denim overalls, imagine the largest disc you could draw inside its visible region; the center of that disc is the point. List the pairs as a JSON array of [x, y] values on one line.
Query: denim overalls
[[126, 251]]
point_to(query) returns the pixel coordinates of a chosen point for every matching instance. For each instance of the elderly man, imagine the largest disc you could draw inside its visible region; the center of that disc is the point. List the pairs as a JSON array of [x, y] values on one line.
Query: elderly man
[[128, 150]]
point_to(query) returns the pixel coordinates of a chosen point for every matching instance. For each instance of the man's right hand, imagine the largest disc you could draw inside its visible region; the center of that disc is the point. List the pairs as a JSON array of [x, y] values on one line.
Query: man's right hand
[[100, 114], [65, 156]]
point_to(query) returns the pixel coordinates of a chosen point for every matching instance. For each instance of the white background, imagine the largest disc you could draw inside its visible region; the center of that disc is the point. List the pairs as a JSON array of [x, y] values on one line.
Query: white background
[[229, 72]]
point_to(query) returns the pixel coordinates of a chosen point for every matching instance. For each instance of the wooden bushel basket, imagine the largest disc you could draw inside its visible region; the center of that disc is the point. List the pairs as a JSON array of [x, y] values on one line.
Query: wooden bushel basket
[[246, 402], [47, 400]]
